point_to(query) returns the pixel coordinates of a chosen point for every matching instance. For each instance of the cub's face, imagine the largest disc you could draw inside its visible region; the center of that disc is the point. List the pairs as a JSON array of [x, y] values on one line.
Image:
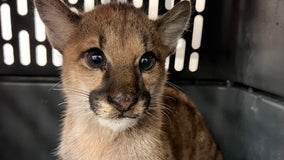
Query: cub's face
[[113, 60]]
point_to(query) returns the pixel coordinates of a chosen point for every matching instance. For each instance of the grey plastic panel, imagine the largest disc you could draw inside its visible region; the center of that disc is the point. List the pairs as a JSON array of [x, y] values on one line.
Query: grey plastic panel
[[29, 121], [260, 49], [242, 41], [247, 126]]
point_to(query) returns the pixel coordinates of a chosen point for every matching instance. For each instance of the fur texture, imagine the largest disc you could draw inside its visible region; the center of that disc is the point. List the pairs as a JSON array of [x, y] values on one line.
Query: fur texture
[[113, 75]]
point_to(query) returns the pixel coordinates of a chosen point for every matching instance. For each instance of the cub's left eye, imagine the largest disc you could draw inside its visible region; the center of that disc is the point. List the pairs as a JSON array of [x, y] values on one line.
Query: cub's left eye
[[147, 61], [95, 58]]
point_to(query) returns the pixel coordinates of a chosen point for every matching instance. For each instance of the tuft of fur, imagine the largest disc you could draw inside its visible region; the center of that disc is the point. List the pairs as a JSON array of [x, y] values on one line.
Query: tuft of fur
[[117, 110]]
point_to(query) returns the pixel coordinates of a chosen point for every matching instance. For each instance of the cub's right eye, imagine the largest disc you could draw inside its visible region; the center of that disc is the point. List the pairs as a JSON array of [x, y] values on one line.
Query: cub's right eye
[[95, 58]]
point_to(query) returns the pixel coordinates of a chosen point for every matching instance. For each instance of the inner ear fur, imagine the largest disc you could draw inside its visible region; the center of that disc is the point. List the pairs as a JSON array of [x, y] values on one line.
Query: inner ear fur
[[172, 24], [59, 20]]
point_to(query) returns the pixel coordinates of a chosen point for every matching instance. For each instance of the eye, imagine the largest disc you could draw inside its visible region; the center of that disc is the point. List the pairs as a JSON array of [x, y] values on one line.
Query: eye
[[95, 58], [147, 61]]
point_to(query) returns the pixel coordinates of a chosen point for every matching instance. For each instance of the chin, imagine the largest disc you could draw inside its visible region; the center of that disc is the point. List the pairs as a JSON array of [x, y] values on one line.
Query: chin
[[118, 124]]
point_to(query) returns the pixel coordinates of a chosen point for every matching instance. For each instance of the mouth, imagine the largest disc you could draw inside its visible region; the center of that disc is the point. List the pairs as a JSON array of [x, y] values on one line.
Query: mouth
[[127, 115], [109, 117], [120, 112], [106, 110]]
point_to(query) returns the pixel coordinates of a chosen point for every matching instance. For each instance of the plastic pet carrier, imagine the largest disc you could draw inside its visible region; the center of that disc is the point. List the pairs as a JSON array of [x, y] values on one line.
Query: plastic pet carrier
[[230, 62]]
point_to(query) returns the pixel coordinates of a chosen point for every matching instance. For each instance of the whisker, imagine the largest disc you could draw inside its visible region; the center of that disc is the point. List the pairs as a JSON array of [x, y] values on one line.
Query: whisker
[[165, 108], [149, 114], [173, 85], [57, 89], [169, 96], [58, 84], [167, 115], [77, 90], [62, 103]]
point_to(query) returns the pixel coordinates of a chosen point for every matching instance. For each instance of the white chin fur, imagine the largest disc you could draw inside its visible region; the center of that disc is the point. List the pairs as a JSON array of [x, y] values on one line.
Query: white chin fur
[[117, 125]]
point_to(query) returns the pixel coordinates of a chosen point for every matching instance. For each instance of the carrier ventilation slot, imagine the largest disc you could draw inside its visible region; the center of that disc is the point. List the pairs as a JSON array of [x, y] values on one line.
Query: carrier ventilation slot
[[153, 9], [104, 1], [6, 25], [193, 61], [180, 54], [169, 4], [89, 4], [187, 53], [24, 42], [56, 58], [181, 51], [73, 1], [138, 3], [22, 7], [41, 55], [8, 53], [39, 28]]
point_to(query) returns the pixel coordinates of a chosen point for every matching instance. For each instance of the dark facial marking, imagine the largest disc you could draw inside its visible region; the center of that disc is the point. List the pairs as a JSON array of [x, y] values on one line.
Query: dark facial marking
[[147, 97], [94, 97], [102, 41], [123, 27], [145, 40]]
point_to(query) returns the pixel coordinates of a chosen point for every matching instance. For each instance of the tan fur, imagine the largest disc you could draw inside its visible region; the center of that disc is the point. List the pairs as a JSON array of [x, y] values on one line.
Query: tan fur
[[167, 128]]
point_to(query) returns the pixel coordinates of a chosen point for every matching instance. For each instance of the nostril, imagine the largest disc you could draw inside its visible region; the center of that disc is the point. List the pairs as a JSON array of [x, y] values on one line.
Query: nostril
[[122, 102], [124, 105]]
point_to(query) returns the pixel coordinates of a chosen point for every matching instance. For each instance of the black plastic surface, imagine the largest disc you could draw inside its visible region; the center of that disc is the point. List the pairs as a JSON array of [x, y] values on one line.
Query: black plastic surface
[[246, 125], [242, 41], [29, 121], [26, 23]]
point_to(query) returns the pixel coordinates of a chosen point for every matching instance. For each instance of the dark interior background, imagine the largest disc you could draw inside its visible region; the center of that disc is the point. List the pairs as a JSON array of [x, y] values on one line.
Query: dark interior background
[[238, 86]]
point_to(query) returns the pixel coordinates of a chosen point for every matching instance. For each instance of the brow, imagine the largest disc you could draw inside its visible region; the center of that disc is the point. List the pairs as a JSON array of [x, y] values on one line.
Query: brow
[[102, 41], [145, 40]]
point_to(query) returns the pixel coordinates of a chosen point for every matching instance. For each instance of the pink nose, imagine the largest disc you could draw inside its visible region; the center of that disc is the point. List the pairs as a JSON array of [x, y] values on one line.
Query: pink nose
[[122, 102], [124, 105]]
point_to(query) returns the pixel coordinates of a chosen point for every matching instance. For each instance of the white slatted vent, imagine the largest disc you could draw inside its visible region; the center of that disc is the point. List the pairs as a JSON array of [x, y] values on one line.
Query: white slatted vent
[[8, 54], [6, 25], [41, 55], [22, 7], [24, 45], [56, 58], [195, 42], [39, 28], [73, 1], [41, 51], [89, 5]]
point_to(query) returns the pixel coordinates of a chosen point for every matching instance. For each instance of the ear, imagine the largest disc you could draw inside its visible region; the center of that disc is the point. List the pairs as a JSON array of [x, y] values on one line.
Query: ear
[[59, 20], [172, 24]]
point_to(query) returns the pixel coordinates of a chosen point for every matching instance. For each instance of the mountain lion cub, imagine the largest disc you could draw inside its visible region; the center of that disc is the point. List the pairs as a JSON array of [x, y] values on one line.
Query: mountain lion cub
[[119, 106]]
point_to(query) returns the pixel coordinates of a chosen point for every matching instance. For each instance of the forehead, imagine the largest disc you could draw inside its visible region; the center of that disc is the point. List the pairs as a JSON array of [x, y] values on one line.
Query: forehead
[[119, 23]]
